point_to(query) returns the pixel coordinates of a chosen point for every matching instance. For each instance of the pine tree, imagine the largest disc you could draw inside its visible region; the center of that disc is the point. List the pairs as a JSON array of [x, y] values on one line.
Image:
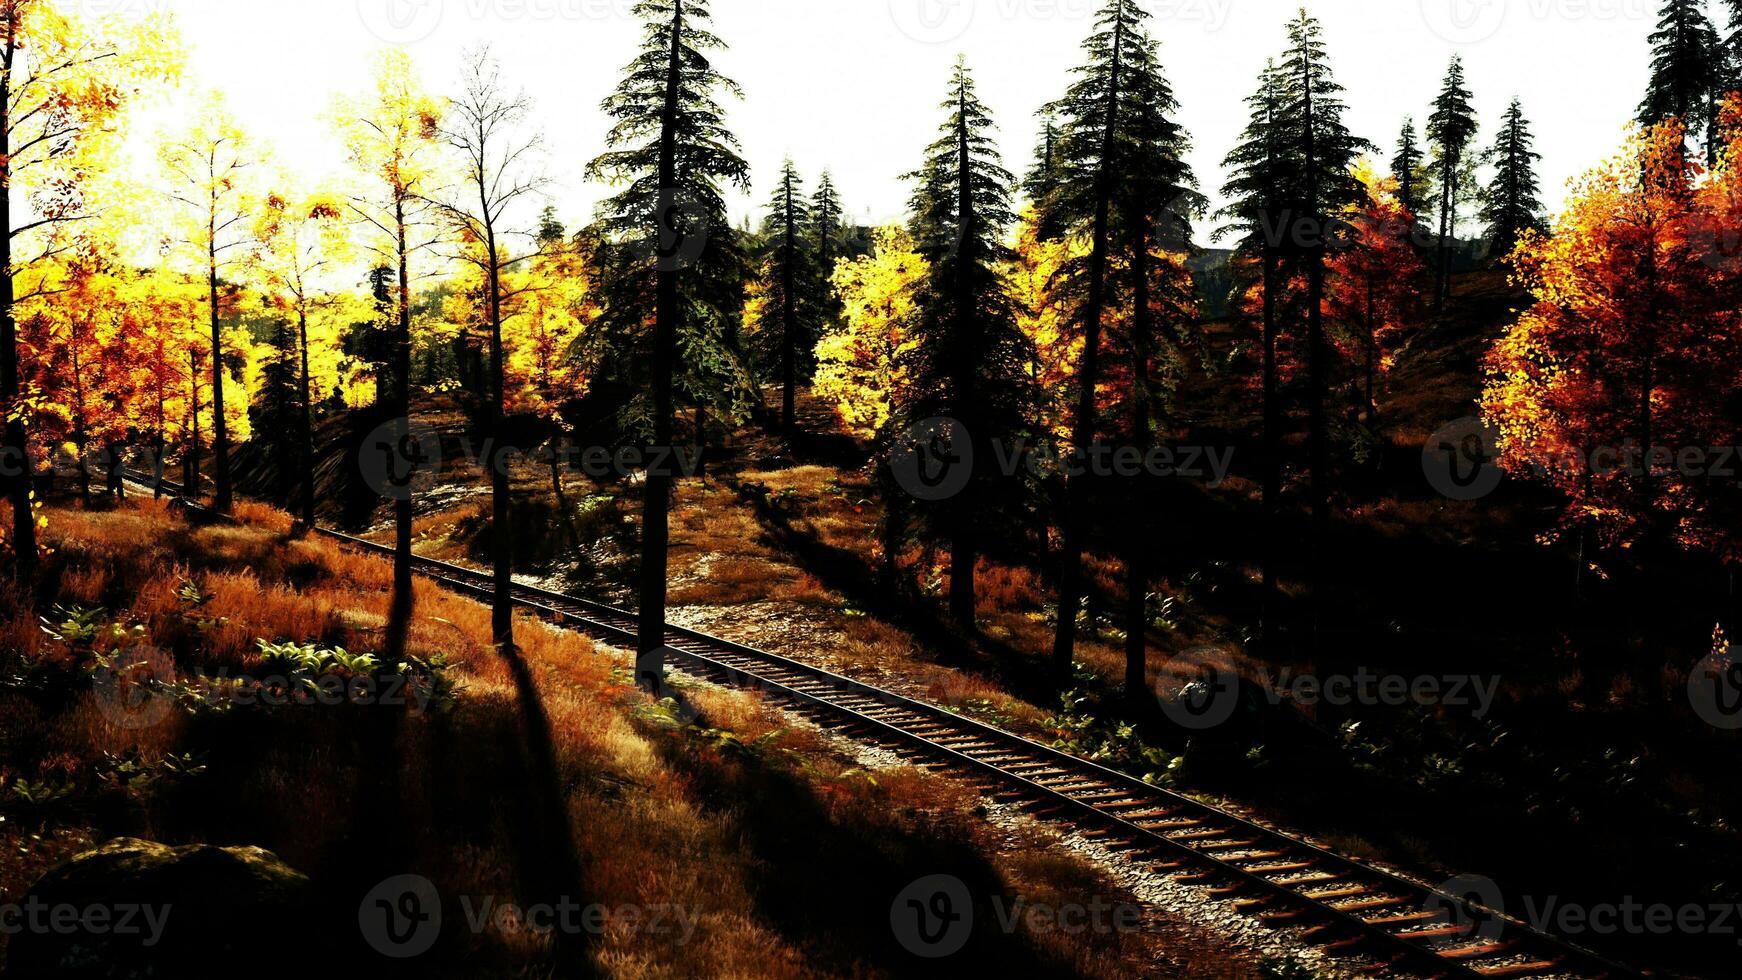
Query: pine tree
[[1118, 155], [675, 264], [1511, 204], [1686, 66], [1414, 187], [1042, 180], [1450, 130], [825, 234], [790, 319], [1326, 154], [968, 359], [1260, 187]]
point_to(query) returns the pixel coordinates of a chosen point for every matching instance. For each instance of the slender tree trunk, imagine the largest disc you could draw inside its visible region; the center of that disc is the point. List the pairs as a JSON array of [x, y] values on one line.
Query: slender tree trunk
[[1076, 490], [224, 495], [1142, 435], [789, 318], [403, 599], [15, 454], [501, 487], [191, 465], [1317, 436], [964, 554], [308, 426], [1270, 528], [656, 504], [81, 436], [1448, 225]]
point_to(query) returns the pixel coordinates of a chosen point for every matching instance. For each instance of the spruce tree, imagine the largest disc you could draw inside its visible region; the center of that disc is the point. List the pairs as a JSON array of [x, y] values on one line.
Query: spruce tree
[[968, 358], [790, 321], [1042, 179], [1450, 130], [825, 234], [1325, 154], [1686, 65], [1099, 163], [1414, 188], [674, 261], [1511, 204], [1260, 189]]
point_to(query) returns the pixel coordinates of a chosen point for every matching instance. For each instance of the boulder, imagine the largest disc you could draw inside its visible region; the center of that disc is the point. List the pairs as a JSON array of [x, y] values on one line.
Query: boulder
[[140, 909]]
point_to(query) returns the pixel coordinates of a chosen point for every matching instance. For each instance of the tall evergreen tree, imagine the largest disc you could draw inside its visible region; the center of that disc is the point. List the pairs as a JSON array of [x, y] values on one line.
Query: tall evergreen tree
[[825, 234], [675, 267], [1511, 204], [1450, 130], [968, 360], [1042, 179], [1325, 153], [1414, 187], [790, 320], [1154, 210], [1098, 159], [1260, 187], [1686, 70]]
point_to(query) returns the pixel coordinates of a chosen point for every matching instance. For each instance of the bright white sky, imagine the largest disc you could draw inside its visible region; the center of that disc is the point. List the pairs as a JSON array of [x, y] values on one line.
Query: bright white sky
[[853, 85]]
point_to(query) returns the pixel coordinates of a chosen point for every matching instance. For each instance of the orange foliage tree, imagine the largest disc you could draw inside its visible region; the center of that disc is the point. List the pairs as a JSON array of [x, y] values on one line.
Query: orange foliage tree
[[1620, 385], [1373, 290]]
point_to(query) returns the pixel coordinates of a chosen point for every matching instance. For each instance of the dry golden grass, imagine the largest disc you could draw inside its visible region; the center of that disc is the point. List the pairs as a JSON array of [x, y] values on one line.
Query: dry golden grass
[[546, 776]]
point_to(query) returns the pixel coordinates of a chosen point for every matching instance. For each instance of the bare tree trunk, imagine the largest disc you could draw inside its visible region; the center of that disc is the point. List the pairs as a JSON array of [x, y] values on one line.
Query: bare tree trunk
[[1076, 492], [400, 606], [308, 427], [15, 454], [656, 503], [224, 494]]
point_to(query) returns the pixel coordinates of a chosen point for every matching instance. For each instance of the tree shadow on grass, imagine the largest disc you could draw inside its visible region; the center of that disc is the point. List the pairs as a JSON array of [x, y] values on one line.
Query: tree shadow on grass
[[834, 881], [850, 574]]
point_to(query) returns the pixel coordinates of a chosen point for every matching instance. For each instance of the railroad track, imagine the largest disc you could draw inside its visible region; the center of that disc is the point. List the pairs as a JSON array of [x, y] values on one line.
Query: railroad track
[[1343, 905]]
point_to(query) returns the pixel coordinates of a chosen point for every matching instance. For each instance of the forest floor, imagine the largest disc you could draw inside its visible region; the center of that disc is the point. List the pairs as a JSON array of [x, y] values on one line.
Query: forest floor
[[1584, 750], [779, 848]]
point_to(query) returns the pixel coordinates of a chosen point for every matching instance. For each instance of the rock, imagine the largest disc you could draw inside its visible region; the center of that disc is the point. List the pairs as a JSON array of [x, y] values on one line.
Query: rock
[[139, 909]]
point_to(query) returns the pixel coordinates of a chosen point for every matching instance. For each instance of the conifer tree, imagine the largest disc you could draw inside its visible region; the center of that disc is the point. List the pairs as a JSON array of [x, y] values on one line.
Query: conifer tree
[[825, 233], [1450, 130], [1259, 187], [1408, 169], [968, 359], [1118, 155], [1511, 204], [790, 316], [1686, 70], [675, 266], [1326, 153]]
